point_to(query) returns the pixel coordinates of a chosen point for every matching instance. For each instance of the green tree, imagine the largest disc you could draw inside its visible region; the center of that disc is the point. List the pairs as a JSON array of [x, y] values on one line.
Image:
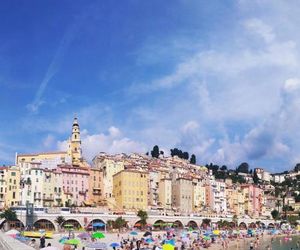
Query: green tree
[[120, 223], [255, 178], [155, 152], [223, 168], [59, 221], [275, 214], [9, 215], [243, 168], [193, 159], [143, 217]]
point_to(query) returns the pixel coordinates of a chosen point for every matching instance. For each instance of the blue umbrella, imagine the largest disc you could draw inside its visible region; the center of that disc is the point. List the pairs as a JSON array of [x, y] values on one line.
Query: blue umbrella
[[98, 224], [133, 233], [22, 238], [149, 241], [171, 242], [115, 244]]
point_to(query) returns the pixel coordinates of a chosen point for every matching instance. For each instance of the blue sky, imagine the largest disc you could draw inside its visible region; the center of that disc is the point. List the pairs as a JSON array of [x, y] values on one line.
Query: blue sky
[[216, 78]]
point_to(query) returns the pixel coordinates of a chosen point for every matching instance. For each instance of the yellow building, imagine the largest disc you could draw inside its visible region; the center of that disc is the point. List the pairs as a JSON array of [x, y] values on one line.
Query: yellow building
[[130, 189], [109, 166], [165, 193], [74, 145], [199, 195], [9, 186], [52, 189], [235, 200], [96, 186]]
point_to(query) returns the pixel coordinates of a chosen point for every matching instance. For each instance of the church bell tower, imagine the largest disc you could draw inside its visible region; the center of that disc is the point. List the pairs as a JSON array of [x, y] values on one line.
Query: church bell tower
[[75, 143]]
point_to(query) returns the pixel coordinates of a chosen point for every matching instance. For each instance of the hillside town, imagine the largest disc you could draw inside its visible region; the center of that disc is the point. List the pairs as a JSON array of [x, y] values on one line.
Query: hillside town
[[167, 185]]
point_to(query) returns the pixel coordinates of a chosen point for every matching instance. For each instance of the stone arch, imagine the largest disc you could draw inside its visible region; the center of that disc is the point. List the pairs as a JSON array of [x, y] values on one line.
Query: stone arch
[[94, 221], [159, 224], [138, 224], [76, 224], [262, 225], [271, 225], [243, 225], [12, 224], [44, 224], [252, 225], [232, 224], [178, 224], [193, 224]]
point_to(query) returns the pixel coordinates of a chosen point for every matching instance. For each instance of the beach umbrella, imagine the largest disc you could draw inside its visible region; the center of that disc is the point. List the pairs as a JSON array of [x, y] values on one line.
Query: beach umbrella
[[98, 235], [206, 238], [22, 238], [97, 245], [149, 241], [114, 244], [147, 234], [171, 242], [63, 239], [98, 224], [68, 226], [216, 232], [84, 235], [73, 242], [168, 247], [133, 233]]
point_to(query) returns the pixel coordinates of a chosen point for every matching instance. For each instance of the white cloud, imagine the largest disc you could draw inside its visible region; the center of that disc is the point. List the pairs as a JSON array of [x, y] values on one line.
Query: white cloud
[[112, 143], [262, 29], [292, 84]]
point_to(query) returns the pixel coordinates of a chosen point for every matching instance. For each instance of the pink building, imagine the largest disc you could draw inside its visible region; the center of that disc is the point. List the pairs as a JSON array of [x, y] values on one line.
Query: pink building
[[253, 196], [75, 181]]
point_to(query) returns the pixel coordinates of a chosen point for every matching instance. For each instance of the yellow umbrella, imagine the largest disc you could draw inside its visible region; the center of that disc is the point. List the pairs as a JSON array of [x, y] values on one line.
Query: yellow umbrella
[[216, 232], [168, 247]]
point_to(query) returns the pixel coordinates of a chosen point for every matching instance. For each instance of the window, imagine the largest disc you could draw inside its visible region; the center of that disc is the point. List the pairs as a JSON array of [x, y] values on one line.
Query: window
[[13, 173]]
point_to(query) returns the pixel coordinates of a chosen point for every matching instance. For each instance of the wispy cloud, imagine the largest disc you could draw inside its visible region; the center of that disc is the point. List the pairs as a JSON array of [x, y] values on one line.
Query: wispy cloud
[[53, 68]]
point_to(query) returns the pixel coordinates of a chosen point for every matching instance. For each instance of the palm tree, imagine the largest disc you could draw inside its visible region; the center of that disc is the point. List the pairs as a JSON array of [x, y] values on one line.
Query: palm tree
[[143, 217], [278, 204], [9, 216], [60, 220], [120, 223], [110, 224]]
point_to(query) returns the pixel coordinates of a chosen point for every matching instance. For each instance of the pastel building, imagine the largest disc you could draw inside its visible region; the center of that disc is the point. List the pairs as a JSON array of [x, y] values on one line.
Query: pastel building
[[253, 197], [52, 188], [235, 200], [96, 186], [165, 193], [131, 190], [75, 184], [109, 166], [216, 196], [32, 179], [199, 195], [9, 186], [182, 194]]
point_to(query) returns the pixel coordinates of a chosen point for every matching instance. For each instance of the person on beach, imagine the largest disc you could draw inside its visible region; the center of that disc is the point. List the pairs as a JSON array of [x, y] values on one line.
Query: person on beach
[[251, 245]]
